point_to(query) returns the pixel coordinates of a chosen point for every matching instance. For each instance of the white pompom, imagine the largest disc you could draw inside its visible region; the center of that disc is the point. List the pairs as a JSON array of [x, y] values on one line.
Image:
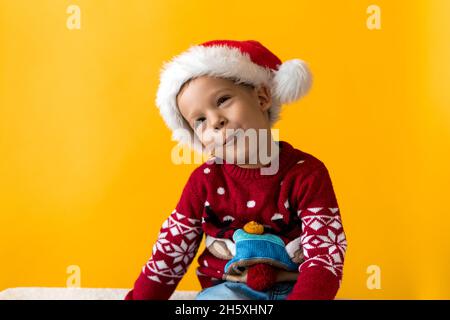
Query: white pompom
[[292, 81]]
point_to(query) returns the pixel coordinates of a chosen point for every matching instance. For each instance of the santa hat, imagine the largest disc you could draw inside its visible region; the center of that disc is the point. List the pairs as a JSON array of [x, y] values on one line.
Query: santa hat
[[245, 61]]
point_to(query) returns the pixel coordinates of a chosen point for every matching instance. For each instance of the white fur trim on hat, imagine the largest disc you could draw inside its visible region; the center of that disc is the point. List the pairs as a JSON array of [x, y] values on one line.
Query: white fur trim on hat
[[292, 81]]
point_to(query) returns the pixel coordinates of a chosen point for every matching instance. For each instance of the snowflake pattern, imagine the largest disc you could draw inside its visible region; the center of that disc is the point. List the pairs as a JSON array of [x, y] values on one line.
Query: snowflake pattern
[[323, 240], [176, 246], [324, 261]]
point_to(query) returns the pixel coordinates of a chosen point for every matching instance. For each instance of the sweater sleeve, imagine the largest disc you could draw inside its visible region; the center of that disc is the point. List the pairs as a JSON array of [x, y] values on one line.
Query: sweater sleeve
[[177, 244], [323, 239]]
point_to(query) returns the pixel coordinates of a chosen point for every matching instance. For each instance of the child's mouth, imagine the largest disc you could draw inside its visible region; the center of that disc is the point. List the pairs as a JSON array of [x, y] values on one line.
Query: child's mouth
[[234, 138], [229, 140]]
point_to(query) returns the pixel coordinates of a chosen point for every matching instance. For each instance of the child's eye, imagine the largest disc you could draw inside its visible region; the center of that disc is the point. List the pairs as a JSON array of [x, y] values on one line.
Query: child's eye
[[199, 121], [222, 100]]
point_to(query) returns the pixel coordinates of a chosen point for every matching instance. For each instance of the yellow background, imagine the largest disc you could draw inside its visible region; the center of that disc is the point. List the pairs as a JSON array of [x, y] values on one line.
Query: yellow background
[[85, 172]]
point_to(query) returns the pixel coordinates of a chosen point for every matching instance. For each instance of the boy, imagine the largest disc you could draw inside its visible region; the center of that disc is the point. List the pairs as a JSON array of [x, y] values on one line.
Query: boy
[[270, 234]]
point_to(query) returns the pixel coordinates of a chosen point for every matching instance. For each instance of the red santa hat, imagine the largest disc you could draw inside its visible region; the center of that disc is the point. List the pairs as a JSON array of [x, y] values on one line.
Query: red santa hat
[[245, 61]]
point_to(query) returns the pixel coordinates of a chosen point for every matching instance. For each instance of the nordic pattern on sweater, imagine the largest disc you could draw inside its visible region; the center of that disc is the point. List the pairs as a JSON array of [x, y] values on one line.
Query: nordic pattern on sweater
[[298, 204]]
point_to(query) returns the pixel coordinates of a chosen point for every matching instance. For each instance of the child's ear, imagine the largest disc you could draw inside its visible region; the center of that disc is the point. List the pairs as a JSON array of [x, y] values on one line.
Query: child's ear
[[264, 97]]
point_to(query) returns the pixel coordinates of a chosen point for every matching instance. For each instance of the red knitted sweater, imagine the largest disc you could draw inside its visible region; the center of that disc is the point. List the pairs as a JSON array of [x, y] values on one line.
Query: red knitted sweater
[[297, 203]]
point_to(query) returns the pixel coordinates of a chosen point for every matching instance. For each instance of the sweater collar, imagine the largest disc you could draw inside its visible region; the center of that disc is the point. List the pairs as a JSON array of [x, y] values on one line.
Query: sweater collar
[[287, 156]]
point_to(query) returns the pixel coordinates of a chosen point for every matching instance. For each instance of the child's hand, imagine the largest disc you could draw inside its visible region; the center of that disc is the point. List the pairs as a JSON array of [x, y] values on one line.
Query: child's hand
[[242, 277]]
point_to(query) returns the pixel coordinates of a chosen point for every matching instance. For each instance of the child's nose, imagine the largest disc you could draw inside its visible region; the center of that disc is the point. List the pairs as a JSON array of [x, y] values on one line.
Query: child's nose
[[218, 123]]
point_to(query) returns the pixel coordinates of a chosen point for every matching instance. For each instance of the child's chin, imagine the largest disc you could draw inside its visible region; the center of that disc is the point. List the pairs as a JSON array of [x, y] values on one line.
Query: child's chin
[[234, 154]]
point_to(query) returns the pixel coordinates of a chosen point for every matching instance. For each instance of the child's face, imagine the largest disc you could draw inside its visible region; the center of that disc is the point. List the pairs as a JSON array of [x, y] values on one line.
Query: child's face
[[211, 105]]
